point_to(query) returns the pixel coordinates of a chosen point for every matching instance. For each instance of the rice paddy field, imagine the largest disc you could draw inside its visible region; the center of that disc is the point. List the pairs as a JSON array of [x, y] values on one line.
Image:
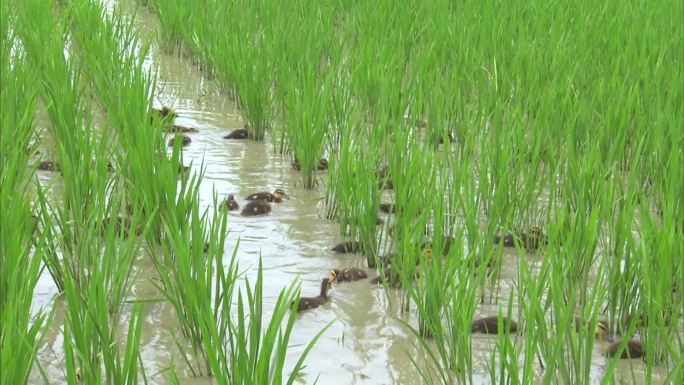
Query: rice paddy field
[[503, 181]]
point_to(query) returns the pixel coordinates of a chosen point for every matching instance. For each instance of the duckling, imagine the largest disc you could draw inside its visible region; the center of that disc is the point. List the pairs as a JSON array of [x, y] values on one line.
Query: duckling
[[602, 330], [230, 203], [179, 128], [490, 325], [351, 247], [388, 208], [534, 238], [508, 240], [379, 279], [633, 349], [254, 208], [306, 303], [165, 112], [185, 140], [48, 165], [322, 165], [240, 133], [277, 196], [122, 226], [450, 138], [349, 274]]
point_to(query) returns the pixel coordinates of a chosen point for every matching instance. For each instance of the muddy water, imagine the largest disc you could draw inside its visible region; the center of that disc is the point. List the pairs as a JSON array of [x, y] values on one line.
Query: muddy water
[[366, 343]]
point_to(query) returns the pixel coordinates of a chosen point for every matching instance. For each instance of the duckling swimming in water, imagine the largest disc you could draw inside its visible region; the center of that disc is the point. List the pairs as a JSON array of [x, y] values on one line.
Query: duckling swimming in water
[[178, 128], [322, 165], [165, 112], [230, 204], [351, 247], [384, 179], [602, 330], [277, 196], [185, 140], [490, 325], [240, 133], [633, 349], [306, 303], [532, 240], [349, 274], [48, 165], [254, 208]]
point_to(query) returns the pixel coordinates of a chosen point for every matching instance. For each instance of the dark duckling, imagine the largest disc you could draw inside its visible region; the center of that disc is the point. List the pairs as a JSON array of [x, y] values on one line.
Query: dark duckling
[[388, 208], [532, 240], [165, 112], [178, 128], [349, 274], [230, 204], [507, 240], [185, 140], [633, 349], [450, 138], [306, 303], [322, 165], [48, 165], [240, 133], [254, 208], [351, 247], [490, 325], [379, 279], [277, 196]]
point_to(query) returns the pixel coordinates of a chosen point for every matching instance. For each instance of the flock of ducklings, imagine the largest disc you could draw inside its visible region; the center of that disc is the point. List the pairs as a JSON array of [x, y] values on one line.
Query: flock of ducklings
[[259, 203]]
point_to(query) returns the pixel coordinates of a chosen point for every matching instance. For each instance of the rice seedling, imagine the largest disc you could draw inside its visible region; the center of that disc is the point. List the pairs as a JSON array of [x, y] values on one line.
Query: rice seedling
[[22, 243]]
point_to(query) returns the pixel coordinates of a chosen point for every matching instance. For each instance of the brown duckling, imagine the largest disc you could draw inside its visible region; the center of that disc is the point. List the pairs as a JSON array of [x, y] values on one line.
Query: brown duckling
[[277, 196], [306, 303], [450, 138], [179, 128], [379, 279], [48, 165], [165, 112], [230, 204], [602, 330], [633, 349], [388, 208], [254, 208], [531, 240], [322, 165], [490, 325], [351, 247], [240, 133], [184, 140], [349, 274]]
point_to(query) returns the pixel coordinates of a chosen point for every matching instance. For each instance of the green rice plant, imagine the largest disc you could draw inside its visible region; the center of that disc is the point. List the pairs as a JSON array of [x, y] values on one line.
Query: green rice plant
[[307, 106], [21, 241]]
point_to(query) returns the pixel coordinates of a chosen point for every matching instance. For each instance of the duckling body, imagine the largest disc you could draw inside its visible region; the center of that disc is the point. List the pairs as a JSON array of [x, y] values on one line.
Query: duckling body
[[602, 330], [384, 179], [240, 133], [254, 208], [351, 247], [350, 274], [277, 196], [184, 140], [388, 208], [230, 204], [490, 325], [379, 279], [633, 349], [165, 112], [48, 165], [531, 240], [306, 303], [178, 128]]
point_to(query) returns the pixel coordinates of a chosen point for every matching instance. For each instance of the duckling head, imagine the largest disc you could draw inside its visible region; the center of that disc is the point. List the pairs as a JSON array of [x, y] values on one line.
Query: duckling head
[[280, 194]]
